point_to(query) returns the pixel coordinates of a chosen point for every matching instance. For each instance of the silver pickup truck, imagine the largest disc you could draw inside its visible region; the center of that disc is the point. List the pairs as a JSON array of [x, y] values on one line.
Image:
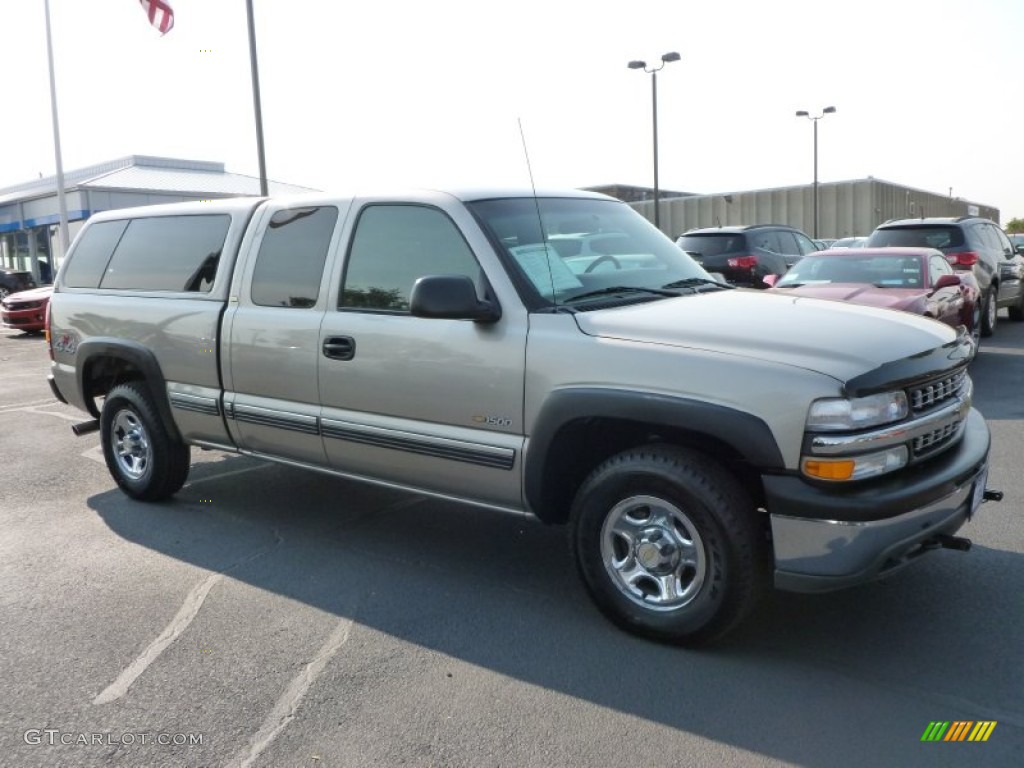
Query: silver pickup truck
[[545, 354]]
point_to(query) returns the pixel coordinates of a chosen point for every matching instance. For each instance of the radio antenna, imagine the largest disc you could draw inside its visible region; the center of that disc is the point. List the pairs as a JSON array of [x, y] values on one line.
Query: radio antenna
[[536, 206]]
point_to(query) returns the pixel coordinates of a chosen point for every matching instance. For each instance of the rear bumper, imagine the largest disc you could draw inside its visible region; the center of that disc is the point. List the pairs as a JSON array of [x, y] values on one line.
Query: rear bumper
[[825, 541], [56, 391]]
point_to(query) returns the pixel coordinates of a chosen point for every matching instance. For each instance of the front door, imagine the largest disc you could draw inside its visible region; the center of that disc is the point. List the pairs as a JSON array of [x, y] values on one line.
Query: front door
[[431, 403]]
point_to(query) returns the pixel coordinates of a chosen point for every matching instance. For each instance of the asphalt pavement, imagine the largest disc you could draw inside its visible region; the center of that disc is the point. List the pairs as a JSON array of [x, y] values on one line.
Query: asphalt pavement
[[273, 617]]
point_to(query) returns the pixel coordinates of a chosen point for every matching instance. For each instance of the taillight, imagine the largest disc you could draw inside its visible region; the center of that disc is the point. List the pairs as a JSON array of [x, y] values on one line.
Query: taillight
[[46, 330], [962, 258], [743, 262]]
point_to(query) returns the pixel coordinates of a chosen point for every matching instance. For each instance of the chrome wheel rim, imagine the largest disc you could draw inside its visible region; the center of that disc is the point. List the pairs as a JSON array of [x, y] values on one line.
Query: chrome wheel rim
[[653, 553], [990, 310], [976, 325], [130, 442]]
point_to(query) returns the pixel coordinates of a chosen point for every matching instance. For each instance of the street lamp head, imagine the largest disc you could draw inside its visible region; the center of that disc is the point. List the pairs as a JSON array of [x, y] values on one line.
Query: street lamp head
[[672, 56], [637, 65], [828, 110], [802, 113]]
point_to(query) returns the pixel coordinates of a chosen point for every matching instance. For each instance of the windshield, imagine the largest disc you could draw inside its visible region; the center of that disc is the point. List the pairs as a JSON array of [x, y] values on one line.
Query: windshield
[[882, 271], [568, 247]]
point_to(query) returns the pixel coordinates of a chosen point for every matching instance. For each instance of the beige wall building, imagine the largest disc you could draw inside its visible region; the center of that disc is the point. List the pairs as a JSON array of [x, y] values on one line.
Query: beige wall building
[[845, 208]]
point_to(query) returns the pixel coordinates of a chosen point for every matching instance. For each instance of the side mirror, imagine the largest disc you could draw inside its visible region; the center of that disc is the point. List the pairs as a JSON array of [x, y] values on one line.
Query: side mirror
[[1019, 249], [770, 280], [450, 297], [946, 281]]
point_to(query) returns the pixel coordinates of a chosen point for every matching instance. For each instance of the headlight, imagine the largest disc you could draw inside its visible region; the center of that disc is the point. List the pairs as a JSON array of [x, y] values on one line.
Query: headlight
[[836, 414]]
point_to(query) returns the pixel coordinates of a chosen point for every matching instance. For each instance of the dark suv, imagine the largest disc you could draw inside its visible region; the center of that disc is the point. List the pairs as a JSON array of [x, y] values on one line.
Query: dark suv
[[970, 243], [12, 282], [745, 254]]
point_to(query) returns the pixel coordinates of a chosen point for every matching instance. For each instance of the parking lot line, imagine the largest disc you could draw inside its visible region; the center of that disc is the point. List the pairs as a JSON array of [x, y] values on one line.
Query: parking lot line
[[288, 703]]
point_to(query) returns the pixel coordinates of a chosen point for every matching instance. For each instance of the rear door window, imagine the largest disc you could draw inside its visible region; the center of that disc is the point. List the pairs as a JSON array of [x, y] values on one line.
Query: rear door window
[[290, 263]]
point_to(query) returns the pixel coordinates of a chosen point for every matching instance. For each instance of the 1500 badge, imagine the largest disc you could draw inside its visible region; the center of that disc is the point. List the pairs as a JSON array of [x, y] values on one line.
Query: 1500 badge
[[493, 421]]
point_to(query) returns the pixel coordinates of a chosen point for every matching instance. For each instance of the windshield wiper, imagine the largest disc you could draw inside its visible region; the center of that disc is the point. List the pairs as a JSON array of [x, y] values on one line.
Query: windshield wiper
[[620, 289], [693, 282], [789, 285]]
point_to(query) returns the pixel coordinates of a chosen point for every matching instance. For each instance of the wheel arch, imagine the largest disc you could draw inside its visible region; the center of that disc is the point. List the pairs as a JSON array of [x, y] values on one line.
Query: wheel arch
[[578, 428], [103, 363]]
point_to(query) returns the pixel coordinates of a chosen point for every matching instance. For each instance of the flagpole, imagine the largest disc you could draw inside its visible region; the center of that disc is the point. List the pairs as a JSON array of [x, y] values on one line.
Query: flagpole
[[256, 100], [61, 200]]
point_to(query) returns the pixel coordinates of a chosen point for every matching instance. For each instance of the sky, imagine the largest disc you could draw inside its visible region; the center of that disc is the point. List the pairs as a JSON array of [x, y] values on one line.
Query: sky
[[398, 94]]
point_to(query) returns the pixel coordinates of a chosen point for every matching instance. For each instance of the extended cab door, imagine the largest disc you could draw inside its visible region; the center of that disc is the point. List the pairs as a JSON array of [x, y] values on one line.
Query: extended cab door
[[434, 404], [276, 306]]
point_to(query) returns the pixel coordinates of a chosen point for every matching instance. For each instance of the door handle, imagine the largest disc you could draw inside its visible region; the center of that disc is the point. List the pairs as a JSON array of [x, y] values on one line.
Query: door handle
[[340, 347]]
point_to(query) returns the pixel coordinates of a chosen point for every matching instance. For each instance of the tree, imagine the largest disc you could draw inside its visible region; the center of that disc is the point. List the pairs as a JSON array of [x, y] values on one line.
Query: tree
[[1015, 226]]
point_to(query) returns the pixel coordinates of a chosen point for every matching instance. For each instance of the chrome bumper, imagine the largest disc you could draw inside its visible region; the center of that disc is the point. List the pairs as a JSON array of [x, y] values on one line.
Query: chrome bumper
[[822, 555]]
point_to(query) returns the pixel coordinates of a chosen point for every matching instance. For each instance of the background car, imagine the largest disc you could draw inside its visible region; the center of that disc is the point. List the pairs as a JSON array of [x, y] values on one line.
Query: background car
[[12, 281], [745, 254], [917, 280], [970, 244], [25, 310]]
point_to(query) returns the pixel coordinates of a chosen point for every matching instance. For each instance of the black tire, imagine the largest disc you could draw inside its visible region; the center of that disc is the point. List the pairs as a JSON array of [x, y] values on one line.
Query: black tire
[[1017, 313], [147, 463], [989, 313], [695, 510]]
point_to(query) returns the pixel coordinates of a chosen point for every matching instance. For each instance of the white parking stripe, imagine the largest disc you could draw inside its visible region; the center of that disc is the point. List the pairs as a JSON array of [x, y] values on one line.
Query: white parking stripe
[[287, 705], [187, 612]]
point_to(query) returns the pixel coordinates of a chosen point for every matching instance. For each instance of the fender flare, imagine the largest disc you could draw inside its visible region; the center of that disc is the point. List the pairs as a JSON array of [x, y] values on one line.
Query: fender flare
[[140, 357], [748, 435]]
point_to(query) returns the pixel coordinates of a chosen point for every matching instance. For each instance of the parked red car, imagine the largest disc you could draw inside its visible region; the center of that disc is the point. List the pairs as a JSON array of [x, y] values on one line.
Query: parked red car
[[918, 280], [25, 310]]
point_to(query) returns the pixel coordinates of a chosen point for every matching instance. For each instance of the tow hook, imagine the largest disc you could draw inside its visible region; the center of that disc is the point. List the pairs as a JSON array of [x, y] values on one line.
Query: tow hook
[[85, 427], [992, 495], [959, 543]]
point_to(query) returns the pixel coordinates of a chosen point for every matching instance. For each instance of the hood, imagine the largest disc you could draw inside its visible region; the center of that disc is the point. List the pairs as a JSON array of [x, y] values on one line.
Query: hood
[[32, 294], [833, 338], [859, 293]]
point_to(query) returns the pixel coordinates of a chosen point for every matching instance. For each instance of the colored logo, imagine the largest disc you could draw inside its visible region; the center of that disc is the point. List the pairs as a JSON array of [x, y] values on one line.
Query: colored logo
[[959, 730]]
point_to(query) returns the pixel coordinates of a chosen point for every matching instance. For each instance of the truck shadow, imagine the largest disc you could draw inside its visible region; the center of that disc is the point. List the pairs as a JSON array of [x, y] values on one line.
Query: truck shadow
[[805, 681]]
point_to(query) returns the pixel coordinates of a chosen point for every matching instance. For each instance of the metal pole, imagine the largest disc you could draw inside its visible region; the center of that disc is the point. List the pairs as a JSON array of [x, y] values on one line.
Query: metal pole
[[61, 200], [256, 100], [815, 178], [654, 121]]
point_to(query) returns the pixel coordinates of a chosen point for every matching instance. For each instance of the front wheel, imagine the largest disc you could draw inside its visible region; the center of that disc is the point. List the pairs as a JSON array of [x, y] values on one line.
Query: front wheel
[[147, 463], [667, 544]]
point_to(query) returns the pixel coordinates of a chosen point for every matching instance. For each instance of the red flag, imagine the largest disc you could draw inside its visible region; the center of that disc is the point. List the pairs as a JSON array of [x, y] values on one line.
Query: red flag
[[160, 14]]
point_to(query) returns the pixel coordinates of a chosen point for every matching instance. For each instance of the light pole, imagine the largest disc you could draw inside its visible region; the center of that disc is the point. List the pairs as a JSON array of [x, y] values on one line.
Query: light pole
[[665, 59], [802, 113]]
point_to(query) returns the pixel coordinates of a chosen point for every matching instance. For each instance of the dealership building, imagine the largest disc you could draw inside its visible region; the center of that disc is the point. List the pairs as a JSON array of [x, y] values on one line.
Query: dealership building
[[845, 208], [30, 212]]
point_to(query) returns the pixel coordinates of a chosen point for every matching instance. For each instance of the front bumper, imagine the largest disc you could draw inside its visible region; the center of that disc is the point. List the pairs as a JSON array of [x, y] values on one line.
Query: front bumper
[[827, 538]]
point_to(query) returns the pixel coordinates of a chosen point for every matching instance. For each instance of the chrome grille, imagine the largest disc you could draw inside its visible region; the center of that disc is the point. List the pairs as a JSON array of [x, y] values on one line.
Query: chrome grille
[[926, 396], [936, 438]]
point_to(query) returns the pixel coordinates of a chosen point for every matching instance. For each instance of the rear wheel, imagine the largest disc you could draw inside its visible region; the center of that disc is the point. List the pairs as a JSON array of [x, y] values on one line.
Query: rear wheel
[[147, 463], [667, 544], [989, 313]]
